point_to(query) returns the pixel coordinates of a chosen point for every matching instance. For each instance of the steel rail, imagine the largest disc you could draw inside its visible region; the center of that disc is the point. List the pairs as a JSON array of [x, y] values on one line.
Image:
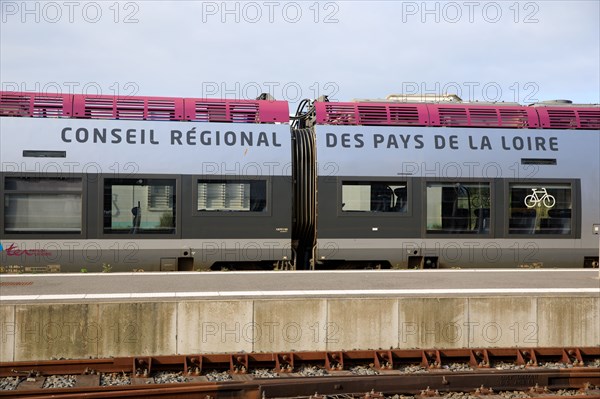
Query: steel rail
[[425, 386], [282, 362]]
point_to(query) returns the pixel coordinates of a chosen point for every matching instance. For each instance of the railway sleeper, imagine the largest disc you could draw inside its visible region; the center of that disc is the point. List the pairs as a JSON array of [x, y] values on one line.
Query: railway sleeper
[[407, 371]]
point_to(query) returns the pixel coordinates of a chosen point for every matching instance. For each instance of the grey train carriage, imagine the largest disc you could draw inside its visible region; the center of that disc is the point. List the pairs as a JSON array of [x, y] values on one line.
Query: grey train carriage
[[101, 183], [456, 185]]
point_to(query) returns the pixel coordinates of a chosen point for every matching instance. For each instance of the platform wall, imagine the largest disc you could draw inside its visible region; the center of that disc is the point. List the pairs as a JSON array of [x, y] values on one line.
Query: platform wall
[[46, 331]]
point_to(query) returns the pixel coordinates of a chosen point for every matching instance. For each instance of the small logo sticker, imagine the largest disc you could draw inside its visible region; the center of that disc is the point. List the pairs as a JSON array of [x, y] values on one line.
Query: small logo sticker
[[13, 250]]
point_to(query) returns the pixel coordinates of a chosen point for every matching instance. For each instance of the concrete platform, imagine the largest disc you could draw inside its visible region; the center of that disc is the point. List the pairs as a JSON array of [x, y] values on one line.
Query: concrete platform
[[93, 287], [79, 316]]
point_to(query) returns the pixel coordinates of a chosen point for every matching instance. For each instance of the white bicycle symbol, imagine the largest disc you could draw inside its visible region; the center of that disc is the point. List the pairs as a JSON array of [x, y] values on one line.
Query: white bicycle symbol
[[534, 199]]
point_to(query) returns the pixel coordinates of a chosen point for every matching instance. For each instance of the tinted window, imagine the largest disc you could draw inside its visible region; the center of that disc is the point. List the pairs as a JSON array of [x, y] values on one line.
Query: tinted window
[[359, 196], [458, 208], [232, 195], [540, 208], [137, 206], [42, 205]]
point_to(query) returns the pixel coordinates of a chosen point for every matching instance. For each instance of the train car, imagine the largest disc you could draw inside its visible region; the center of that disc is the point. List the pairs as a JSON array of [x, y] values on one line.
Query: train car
[[446, 184], [101, 183]]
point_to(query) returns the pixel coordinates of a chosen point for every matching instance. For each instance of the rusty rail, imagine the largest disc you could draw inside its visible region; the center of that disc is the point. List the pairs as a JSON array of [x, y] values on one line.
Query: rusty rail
[[579, 366], [423, 386]]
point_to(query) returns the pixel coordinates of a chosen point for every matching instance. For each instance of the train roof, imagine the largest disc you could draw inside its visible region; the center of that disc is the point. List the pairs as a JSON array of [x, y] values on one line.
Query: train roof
[[48, 105], [395, 110], [451, 111]]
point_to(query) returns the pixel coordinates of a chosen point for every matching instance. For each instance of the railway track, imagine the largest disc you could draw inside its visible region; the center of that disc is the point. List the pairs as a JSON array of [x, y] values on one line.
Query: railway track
[[370, 374]]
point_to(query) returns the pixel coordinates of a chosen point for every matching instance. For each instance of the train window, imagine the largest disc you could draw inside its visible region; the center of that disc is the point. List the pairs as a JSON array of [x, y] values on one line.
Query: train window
[[42, 205], [458, 208], [232, 195], [139, 206], [540, 208], [361, 196]]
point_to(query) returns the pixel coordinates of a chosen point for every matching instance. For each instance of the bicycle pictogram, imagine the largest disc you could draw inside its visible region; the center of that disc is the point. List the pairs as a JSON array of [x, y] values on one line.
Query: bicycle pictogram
[[535, 199]]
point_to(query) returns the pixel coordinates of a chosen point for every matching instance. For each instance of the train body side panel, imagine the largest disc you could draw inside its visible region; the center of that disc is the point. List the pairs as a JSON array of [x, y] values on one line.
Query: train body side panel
[[452, 153], [419, 158], [127, 148]]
